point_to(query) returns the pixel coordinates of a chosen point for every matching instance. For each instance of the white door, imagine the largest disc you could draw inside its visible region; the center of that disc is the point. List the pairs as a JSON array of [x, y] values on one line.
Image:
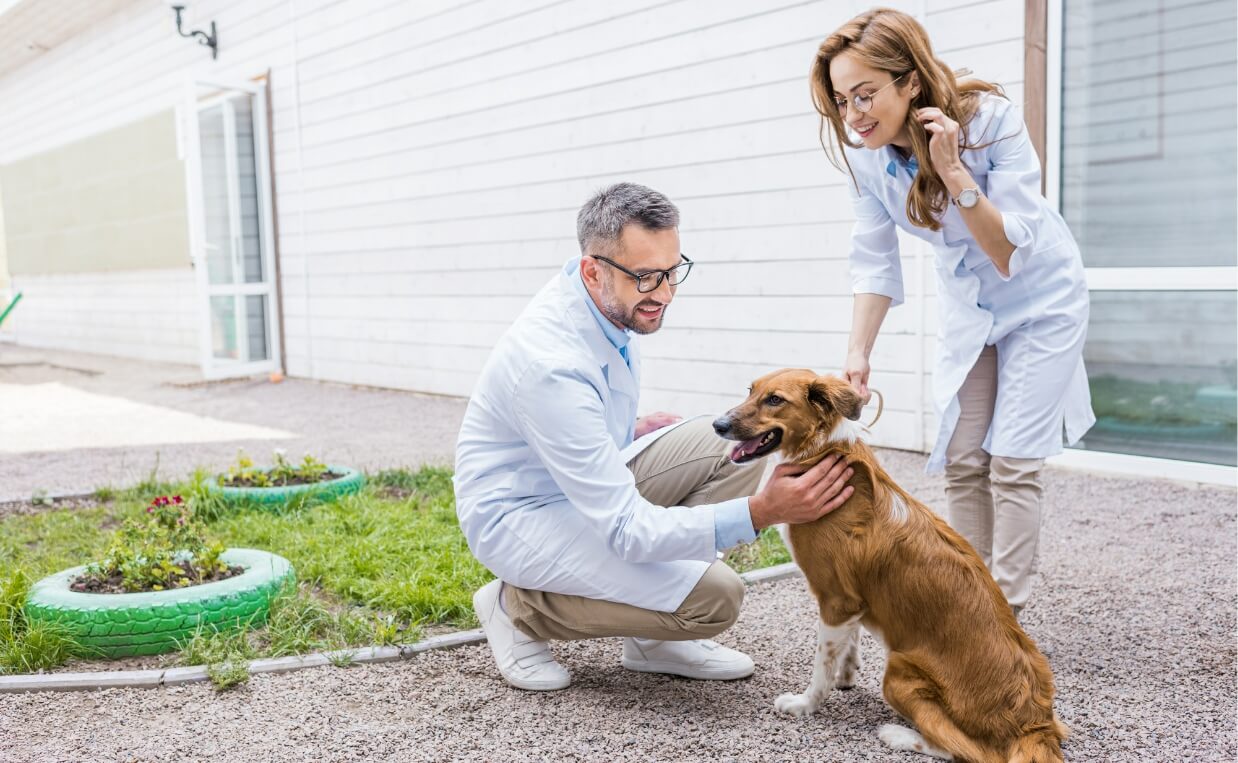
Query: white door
[[230, 224]]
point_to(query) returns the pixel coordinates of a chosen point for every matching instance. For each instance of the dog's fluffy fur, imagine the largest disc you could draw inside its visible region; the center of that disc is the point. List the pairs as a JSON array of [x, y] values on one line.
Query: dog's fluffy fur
[[958, 666]]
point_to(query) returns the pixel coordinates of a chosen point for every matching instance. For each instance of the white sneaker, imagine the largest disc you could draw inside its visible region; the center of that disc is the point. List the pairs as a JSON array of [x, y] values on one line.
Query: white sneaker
[[706, 659], [526, 663]]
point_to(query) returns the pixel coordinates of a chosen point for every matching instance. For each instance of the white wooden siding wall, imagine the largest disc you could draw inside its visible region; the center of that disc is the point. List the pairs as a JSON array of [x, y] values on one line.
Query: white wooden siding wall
[[147, 314], [445, 158], [430, 158]]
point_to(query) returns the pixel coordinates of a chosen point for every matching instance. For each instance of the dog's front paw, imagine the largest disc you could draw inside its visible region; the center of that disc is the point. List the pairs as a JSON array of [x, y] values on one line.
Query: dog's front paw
[[798, 705]]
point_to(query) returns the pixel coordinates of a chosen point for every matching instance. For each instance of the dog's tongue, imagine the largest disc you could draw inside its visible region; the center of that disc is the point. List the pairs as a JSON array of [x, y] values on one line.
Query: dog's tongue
[[745, 448]]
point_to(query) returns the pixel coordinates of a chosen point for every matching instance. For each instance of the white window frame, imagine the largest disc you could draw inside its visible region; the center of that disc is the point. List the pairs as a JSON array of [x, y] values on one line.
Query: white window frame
[[1122, 279]]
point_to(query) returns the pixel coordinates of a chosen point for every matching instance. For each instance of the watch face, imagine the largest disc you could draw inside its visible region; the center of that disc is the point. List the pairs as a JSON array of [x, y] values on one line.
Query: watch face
[[969, 197]]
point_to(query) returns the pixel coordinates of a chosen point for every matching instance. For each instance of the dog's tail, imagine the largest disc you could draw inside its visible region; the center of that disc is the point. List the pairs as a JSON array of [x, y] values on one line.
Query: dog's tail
[[1040, 745]]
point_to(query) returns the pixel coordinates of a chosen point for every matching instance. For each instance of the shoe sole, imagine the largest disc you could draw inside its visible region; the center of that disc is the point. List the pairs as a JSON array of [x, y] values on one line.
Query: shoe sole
[[534, 687], [517, 683], [677, 669]]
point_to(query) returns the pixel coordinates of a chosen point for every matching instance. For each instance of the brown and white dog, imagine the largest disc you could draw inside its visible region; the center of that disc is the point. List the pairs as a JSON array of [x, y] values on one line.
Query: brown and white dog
[[958, 665]]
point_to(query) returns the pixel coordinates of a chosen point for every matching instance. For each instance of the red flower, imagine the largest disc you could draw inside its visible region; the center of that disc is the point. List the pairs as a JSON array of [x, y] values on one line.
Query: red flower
[[177, 500]]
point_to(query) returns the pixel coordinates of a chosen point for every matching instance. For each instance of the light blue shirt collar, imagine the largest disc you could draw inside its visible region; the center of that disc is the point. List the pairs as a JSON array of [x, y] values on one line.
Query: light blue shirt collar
[[615, 335], [896, 160]]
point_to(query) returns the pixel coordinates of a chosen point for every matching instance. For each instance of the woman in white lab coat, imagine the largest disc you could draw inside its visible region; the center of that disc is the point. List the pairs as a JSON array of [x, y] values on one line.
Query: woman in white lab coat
[[951, 163]]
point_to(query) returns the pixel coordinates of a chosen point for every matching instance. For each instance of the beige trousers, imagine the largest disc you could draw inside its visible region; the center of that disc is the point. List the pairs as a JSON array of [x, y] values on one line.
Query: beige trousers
[[993, 501], [685, 467]]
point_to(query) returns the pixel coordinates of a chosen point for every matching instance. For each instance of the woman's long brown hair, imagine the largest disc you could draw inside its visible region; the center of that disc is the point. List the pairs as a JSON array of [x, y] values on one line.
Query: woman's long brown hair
[[894, 42]]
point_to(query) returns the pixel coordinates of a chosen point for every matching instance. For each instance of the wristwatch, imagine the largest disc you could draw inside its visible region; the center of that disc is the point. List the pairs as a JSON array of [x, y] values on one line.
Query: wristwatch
[[967, 198]]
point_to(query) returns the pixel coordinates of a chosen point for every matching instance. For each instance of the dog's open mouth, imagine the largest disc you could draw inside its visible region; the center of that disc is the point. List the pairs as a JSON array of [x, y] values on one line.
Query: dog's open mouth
[[756, 447]]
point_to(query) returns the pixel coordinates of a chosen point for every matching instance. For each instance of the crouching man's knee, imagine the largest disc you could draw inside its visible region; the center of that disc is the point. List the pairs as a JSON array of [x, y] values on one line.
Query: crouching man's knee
[[713, 605]]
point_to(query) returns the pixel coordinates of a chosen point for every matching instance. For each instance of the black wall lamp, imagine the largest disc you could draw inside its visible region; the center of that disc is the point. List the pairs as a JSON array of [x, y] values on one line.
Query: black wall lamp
[[210, 40]]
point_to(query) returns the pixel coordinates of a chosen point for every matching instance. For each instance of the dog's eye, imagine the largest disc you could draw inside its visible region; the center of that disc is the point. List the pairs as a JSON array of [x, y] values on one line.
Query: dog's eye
[[773, 400]]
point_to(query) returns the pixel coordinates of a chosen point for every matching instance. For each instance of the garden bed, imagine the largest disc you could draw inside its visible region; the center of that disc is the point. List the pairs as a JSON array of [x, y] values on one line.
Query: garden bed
[[386, 565], [304, 482]]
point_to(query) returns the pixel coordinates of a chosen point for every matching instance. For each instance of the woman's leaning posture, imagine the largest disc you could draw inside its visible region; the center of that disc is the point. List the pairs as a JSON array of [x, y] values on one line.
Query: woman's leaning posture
[[950, 162]]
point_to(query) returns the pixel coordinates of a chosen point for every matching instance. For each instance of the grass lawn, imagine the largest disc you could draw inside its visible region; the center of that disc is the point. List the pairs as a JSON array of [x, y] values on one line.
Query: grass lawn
[[376, 567]]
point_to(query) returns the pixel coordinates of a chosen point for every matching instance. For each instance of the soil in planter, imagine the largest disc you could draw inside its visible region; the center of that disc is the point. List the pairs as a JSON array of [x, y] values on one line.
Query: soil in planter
[[113, 583], [244, 482]]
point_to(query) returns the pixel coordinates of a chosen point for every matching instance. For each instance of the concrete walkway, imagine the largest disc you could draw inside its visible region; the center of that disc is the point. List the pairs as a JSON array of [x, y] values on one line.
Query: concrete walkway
[[204, 423]]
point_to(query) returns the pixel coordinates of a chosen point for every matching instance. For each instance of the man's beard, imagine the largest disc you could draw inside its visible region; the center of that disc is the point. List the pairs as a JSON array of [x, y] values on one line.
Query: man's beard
[[615, 311]]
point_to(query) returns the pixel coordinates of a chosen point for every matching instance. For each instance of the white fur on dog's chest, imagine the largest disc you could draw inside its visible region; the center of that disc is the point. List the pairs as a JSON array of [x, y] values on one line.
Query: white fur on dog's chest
[[784, 530]]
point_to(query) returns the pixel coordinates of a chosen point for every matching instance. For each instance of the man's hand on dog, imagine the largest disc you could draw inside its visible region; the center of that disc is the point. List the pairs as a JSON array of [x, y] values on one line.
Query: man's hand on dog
[[654, 422], [795, 496]]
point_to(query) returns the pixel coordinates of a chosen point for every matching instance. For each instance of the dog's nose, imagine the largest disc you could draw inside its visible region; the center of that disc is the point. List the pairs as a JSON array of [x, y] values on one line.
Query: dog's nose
[[722, 425]]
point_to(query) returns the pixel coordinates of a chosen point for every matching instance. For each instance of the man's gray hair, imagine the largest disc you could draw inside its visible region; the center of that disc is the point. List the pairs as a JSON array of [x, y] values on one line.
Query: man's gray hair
[[600, 221]]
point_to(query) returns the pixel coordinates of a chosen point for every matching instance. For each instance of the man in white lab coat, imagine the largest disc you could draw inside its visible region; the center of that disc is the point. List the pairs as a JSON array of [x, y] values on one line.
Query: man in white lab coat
[[596, 523]]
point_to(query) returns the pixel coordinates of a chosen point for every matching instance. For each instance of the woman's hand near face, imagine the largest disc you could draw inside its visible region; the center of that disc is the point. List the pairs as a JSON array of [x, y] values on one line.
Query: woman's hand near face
[[983, 220], [944, 149]]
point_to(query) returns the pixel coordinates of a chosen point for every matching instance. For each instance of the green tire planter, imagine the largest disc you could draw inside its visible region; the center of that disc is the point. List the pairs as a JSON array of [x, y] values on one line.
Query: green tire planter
[[350, 483], [115, 625]]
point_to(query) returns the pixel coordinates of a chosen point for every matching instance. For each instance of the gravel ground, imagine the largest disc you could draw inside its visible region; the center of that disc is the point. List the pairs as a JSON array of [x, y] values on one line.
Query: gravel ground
[[358, 426], [1135, 610]]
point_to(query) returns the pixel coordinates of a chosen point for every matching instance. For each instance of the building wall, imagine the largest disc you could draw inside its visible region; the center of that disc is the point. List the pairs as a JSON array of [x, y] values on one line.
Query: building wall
[[430, 158], [112, 201], [125, 72], [444, 161], [6, 292], [4, 252], [146, 314], [96, 238]]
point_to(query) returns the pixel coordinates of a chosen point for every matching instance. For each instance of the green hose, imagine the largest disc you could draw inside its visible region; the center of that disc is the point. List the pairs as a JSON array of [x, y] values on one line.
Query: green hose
[[9, 309]]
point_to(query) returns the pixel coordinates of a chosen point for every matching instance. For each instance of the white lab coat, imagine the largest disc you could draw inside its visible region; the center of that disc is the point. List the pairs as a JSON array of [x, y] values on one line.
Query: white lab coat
[[543, 493], [1037, 317]]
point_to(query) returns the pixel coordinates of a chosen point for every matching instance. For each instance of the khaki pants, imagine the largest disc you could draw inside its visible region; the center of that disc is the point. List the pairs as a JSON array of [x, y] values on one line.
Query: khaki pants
[[993, 501], [685, 467]]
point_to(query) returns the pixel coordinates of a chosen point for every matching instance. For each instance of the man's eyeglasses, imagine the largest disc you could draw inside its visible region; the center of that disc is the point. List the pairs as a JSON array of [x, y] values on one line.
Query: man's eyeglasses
[[864, 103], [652, 279]]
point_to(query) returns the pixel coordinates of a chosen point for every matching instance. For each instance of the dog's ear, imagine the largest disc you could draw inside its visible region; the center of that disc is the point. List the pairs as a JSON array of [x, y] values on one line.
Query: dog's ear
[[833, 394]]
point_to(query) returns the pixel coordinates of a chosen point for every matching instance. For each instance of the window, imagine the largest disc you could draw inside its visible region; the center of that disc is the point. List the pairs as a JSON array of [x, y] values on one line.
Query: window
[[1149, 186]]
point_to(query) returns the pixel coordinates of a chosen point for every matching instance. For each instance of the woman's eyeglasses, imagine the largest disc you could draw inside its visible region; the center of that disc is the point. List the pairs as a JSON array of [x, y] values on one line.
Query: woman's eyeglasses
[[864, 103]]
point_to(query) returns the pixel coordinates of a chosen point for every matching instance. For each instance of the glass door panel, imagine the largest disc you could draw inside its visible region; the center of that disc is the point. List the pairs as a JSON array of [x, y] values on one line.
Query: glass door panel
[[223, 328], [215, 195], [231, 228], [248, 199], [256, 327]]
